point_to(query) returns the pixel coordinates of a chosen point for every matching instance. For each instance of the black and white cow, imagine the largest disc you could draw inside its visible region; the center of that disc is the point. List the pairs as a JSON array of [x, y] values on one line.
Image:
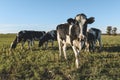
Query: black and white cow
[[90, 42], [29, 36], [93, 36], [73, 33], [49, 36]]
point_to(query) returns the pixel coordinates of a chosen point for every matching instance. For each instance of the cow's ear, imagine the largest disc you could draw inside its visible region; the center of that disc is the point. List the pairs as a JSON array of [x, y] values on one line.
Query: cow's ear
[[90, 20], [70, 20]]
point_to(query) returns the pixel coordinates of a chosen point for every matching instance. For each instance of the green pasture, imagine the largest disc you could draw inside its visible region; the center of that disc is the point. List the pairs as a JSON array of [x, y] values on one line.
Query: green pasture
[[44, 64]]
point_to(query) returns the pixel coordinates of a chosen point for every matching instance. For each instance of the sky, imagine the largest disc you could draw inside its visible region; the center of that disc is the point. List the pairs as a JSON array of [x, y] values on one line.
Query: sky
[[45, 15]]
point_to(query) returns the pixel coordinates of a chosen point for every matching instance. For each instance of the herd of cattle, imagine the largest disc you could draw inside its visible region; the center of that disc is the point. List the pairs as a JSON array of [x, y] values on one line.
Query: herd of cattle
[[31, 36], [74, 33]]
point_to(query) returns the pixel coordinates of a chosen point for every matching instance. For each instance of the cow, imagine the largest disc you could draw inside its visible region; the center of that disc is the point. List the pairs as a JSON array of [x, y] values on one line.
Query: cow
[[93, 36], [73, 33], [26, 35], [49, 36], [90, 42]]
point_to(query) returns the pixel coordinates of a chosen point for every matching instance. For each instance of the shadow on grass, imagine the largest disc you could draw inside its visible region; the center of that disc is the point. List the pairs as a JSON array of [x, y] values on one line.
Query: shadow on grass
[[111, 48]]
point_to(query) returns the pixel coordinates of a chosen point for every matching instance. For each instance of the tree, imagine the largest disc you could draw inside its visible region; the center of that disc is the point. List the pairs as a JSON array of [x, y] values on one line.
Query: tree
[[109, 30], [114, 31]]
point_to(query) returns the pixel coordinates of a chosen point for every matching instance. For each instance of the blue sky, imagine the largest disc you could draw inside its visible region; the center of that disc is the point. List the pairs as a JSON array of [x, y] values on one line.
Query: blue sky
[[16, 15]]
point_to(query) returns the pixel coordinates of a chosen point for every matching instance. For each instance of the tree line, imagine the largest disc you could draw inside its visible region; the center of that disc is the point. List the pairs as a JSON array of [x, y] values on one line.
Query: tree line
[[111, 30]]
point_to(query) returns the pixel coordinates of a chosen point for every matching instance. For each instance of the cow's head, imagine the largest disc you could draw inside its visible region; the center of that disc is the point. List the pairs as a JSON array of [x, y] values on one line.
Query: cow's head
[[40, 42], [43, 39], [83, 21], [14, 44]]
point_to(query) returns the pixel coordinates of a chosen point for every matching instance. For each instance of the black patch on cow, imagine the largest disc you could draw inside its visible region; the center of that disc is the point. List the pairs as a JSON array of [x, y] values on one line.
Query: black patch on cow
[[63, 30], [71, 21], [96, 32], [90, 37], [75, 31]]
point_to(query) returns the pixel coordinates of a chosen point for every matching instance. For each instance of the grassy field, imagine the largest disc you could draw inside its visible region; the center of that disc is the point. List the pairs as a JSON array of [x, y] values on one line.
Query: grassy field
[[41, 64]]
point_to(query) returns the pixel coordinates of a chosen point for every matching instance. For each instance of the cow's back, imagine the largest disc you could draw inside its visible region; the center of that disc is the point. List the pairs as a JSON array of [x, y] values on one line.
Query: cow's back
[[63, 30]]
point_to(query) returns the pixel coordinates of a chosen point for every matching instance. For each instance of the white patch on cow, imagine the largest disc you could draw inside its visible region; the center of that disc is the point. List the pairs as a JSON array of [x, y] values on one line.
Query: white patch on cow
[[64, 49], [78, 18], [76, 43], [81, 20], [59, 43], [67, 39], [70, 29], [76, 56], [11, 45], [81, 36]]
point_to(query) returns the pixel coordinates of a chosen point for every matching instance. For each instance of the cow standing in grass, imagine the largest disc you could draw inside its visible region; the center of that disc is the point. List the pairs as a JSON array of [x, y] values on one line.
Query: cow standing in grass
[[93, 36], [29, 36], [49, 36], [73, 33]]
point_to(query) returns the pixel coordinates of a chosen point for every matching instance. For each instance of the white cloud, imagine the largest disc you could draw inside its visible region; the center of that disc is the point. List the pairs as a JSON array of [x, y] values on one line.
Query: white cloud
[[14, 28]]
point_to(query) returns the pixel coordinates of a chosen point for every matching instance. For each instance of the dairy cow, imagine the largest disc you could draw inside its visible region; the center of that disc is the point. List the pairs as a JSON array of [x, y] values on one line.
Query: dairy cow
[[26, 35], [73, 33], [50, 36], [93, 36]]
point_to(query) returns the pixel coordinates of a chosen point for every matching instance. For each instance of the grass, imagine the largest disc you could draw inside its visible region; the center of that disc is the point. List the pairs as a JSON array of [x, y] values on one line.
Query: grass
[[40, 64]]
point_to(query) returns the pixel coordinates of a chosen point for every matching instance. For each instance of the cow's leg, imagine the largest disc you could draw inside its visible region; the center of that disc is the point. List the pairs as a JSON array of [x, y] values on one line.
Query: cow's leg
[[81, 44], [60, 48], [29, 44], [93, 45], [46, 44], [60, 44], [52, 43], [32, 43], [87, 46], [64, 50], [23, 42], [100, 43], [76, 56]]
